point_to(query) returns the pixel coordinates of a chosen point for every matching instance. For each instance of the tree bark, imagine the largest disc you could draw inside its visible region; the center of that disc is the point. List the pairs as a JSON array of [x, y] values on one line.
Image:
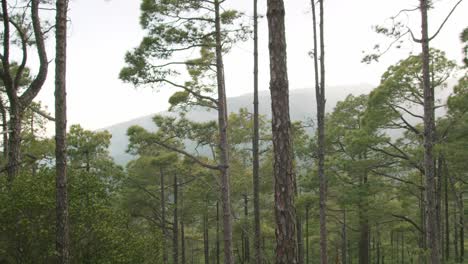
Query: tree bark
[[285, 212], [223, 141], [255, 146], [429, 127], [62, 236], [3, 112], [14, 141]]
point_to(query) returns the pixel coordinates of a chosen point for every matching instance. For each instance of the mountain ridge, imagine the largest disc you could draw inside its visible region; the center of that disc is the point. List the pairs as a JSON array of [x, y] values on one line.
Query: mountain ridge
[[302, 107]]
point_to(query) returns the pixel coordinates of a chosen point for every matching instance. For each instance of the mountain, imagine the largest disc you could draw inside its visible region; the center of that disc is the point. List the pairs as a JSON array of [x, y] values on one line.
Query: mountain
[[302, 104]]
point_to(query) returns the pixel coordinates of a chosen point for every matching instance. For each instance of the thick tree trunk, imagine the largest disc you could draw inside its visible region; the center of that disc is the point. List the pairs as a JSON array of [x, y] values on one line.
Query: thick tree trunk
[[175, 236], [285, 212], [3, 112], [223, 141], [163, 216], [429, 125], [255, 145], [62, 239], [14, 142]]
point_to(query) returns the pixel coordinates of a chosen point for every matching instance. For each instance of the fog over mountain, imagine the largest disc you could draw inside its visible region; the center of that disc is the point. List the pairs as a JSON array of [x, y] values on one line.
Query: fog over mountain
[[302, 107]]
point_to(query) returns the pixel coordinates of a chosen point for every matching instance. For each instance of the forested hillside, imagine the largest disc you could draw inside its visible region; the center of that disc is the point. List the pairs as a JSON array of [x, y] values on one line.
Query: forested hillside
[[327, 174], [300, 111]]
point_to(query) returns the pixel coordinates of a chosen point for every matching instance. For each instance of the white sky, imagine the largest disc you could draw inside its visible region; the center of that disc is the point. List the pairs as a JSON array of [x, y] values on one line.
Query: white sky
[[102, 31]]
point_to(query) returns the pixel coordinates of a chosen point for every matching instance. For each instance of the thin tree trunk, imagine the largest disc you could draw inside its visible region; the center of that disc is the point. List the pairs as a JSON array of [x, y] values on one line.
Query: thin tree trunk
[[320, 98], [364, 222], [438, 198], [446, 207], [182, 242], [182, 228], [163, 216], [379, 246], [462, 229], [285, 213], [402, 247], [255, 145], [429, 126], [62, 239], [392, 250], [206, 242], [307, 234], [455, 236], [246, 233], [223, 141], [175, 237], [300, 240], [218, 244], [344, 239]]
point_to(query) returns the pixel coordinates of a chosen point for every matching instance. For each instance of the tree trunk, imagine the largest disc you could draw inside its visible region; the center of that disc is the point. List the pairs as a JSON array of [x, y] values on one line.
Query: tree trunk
[[455, 236], [14, 141], [62, 239], [255, 145], [163, 217], [182, 241], [3, 112], [307, 234], [429, 127], [223, 141], [300, 241], [218, 246], [461, 219], [206, 242], [285, 213], [320, 98], [344, 237], [402, 248], [364, 222], [246, 232], [446, 207], [175, 237]]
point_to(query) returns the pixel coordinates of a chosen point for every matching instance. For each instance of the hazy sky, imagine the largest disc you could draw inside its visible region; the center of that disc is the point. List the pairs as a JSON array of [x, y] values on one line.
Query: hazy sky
[[102, 31]]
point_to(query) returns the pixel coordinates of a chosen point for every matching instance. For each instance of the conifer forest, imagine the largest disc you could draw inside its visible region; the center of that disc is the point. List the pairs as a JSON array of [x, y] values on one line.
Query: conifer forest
[[375, 177]]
